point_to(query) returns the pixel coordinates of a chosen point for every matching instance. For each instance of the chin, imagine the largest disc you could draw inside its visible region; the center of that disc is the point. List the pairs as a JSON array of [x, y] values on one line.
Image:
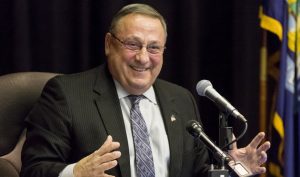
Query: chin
[[140, 87]]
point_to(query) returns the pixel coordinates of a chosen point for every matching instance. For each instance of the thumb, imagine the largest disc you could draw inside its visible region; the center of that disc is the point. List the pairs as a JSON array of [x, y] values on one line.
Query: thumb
[[234, 145]]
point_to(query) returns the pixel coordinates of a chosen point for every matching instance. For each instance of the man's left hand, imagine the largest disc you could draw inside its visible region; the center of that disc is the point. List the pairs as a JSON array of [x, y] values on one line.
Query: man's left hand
[[253, 155]]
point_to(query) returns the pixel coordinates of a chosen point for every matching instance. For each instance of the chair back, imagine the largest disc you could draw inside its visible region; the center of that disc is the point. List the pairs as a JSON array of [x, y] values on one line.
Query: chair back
[[18, 93]]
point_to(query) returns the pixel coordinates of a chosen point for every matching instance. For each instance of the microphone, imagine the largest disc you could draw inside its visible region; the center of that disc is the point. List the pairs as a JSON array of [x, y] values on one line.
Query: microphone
[[195, 129], [237, 167], [205, 88]]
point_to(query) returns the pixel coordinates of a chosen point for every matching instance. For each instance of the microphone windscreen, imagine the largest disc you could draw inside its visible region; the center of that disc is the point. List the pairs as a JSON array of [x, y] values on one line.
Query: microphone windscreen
[[193, 127], [202, 86]]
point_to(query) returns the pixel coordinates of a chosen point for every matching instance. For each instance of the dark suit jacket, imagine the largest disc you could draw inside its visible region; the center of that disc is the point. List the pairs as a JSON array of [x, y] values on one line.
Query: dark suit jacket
[[75, 113]]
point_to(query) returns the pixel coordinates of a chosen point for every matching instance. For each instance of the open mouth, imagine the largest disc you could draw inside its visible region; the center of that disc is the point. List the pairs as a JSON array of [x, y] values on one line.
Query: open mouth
[[139, 69]]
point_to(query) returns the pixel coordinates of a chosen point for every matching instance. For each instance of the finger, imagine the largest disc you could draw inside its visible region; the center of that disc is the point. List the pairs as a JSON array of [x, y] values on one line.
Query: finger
[[234, 145], [263, 158], [264, 147], [109, 165], [96, 163], [100, 169], [259, 170], [105, 175], [107, 146], [106, 143], [257, 140], [108, 157]]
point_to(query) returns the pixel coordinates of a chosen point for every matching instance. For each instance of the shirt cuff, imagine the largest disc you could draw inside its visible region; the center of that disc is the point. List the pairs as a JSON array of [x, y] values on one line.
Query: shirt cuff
[[67, 171]]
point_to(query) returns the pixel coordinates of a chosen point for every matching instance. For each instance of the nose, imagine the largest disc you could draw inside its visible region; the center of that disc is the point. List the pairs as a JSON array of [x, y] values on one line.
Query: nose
[[143, 56]]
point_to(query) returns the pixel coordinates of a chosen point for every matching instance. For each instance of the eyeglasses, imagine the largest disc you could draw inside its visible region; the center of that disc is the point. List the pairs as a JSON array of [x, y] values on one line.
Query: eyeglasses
[[136, 46]]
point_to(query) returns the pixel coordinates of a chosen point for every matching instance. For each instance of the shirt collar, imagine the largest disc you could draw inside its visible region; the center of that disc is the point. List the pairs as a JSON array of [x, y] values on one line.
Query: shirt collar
[[122, 93]]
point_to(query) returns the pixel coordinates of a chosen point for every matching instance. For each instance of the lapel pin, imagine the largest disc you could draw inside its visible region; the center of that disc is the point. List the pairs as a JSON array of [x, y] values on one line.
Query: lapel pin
[[173, 119]]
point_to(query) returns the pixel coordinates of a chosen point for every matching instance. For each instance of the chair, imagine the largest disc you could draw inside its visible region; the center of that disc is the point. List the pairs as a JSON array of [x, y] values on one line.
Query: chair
[[18, 93]]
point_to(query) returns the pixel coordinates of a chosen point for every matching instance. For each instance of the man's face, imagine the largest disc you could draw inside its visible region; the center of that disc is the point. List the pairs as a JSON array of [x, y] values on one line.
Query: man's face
[[135, 70]]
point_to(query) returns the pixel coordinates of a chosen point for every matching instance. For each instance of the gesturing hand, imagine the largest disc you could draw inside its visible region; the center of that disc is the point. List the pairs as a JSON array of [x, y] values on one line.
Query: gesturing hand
[[252, 156], [98, 162]]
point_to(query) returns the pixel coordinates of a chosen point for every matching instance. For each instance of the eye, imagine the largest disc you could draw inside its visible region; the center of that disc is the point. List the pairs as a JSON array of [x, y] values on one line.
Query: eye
[[132, 45], [154, 49]]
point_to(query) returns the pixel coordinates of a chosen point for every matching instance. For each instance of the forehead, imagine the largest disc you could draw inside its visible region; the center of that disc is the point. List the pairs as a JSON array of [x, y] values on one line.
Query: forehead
[[133, 23]]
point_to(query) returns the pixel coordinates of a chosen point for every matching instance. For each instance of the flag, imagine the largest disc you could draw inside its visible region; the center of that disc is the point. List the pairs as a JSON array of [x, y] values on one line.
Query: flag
[[281, 18]]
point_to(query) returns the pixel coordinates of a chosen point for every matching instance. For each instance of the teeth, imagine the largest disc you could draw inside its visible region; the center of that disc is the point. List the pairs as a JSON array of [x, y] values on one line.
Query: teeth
[[139, 69]]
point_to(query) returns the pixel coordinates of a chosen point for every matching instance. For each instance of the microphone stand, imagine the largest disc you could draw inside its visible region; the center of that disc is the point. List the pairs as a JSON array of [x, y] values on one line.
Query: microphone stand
[[225, 132], [225, 136], [219, 172]]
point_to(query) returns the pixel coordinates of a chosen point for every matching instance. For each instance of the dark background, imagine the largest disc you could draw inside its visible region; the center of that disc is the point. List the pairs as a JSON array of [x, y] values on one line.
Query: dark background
[[207, 39]]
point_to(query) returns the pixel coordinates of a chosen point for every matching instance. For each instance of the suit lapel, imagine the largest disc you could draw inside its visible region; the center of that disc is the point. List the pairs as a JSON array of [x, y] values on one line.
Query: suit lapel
[[111, 114], [173, 124]]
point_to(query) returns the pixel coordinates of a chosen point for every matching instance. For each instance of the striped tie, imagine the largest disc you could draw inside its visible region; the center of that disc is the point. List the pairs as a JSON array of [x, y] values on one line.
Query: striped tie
[[143, 152]]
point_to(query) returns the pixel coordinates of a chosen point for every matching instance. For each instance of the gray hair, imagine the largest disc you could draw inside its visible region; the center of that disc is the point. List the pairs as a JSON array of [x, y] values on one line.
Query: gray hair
[[142, 9]]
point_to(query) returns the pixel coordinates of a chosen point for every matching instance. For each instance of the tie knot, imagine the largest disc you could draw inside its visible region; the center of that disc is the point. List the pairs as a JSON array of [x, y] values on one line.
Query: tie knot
[[135, 99]]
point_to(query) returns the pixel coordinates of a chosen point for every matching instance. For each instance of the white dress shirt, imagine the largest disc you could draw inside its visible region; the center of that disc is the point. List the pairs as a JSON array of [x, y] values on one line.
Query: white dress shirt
[[155, 125]]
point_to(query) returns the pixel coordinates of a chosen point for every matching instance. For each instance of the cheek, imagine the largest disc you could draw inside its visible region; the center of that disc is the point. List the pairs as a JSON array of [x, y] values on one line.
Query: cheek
[[157, 62], [127, 57], [121, 59]]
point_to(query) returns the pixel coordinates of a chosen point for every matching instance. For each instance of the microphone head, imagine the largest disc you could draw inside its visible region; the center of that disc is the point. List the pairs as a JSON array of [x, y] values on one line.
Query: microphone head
[[202, 86], [194, 128]]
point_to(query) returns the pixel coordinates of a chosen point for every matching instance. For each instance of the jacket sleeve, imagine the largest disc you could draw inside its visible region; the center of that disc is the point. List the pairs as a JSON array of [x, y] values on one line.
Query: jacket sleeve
[[47, 145]]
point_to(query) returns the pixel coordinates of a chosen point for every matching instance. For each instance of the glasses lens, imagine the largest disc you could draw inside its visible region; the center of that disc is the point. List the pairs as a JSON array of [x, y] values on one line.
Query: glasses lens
[[133, 45], [137, 46], [154, 49]]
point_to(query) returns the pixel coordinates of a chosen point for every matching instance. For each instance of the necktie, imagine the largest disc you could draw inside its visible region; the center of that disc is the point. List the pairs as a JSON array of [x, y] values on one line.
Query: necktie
[[143, 152]]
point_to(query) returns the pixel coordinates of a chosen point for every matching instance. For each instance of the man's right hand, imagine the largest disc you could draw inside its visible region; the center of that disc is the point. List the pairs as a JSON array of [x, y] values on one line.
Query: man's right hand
[[98, 162]]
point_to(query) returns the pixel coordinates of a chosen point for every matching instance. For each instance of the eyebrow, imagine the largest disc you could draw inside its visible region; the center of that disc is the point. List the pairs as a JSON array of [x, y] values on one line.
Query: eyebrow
[[140, 40]]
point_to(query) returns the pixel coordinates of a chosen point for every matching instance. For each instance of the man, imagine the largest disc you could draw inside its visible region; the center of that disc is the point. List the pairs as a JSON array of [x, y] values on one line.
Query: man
[[83, 124]]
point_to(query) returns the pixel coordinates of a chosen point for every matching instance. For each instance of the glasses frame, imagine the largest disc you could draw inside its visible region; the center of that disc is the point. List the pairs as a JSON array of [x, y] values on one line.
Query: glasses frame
[[125, 45]]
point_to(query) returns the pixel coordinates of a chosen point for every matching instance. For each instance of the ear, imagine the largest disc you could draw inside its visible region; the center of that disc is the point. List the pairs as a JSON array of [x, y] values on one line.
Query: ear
[[107, 43]]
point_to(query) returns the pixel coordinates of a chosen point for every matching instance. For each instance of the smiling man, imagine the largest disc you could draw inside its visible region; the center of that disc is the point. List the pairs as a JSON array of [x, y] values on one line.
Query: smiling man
[[134, 48], [119, 119]]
